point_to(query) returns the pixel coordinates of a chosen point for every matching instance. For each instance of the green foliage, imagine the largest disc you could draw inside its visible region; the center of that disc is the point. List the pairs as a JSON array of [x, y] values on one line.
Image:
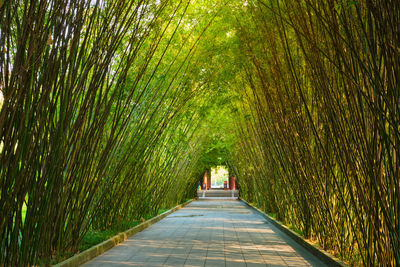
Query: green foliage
[[93, 238], [112, 111]]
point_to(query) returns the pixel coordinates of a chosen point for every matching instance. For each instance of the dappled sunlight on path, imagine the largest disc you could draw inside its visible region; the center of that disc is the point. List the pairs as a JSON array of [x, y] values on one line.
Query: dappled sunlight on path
[[209, 233]]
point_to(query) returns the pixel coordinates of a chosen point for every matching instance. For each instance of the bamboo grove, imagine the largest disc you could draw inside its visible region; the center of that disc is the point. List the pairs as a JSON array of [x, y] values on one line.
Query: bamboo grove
[[111, 110], [321, 122]]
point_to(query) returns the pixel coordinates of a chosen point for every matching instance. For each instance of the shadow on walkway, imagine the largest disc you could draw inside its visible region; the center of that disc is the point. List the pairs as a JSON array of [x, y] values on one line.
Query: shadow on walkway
[[209, 233]]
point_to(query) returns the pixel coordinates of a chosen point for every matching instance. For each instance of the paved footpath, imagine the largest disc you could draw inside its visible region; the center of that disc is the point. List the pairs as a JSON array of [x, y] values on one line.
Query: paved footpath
[[209, 233]]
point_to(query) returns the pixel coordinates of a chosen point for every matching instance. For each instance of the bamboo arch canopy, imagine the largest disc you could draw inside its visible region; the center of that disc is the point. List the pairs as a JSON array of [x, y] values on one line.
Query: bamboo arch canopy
[[111, 110]]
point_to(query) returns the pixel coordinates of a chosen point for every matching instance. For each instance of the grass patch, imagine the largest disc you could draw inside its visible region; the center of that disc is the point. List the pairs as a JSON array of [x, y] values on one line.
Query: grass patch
[[291, 227], [160, 211], [94, 237]]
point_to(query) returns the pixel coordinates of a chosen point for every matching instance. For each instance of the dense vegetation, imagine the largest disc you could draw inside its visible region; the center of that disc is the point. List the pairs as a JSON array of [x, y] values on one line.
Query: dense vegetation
[[111, 110]]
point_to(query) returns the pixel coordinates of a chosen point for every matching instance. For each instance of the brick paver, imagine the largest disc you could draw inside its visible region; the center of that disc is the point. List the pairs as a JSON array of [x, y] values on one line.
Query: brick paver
[[209, 233]]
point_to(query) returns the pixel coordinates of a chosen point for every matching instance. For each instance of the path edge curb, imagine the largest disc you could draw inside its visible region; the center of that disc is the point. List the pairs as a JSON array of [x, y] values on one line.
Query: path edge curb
[[87, 255], [324, 256]]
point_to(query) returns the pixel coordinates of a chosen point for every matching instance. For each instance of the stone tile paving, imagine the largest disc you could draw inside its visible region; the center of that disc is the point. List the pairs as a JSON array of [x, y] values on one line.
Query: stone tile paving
[[209, 233]]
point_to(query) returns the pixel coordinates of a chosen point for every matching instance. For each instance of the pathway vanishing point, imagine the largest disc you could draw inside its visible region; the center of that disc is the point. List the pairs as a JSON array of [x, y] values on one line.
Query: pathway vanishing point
[[209, 233]]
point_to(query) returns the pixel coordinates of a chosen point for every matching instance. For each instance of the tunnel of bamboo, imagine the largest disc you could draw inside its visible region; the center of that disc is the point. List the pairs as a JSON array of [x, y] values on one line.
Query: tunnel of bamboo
[[114, 110]]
